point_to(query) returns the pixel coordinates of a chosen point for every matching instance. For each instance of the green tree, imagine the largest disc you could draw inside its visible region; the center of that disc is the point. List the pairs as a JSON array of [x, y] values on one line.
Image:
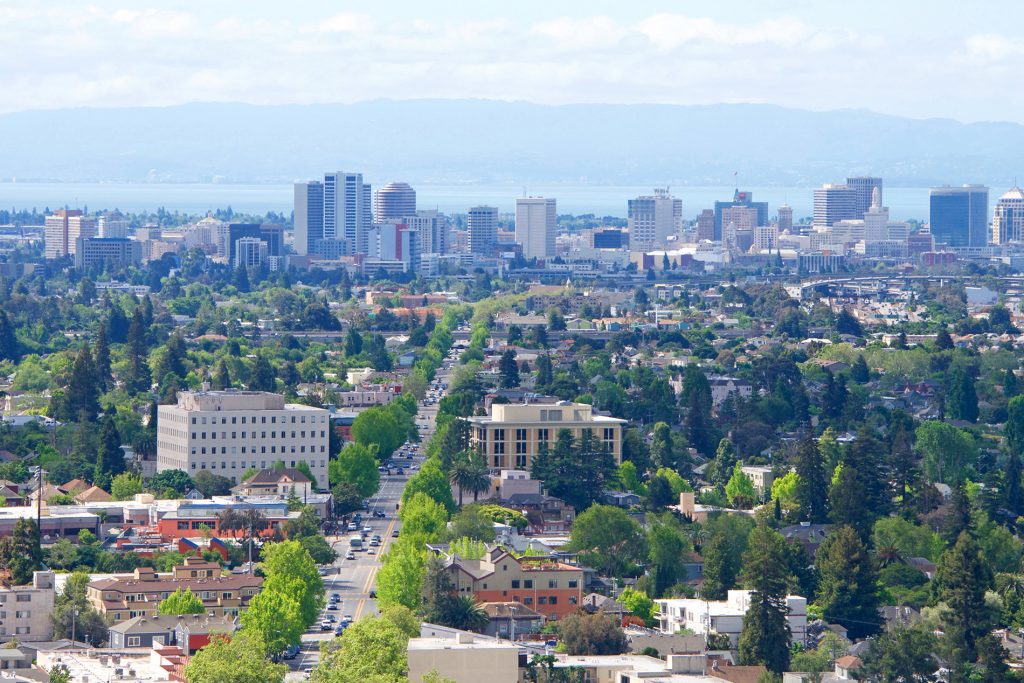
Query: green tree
[[764, 638], [662, 448], [139, 378], [667, 549], [900, 655], [786, 494], [372, 649], [222, 377], [210, 484], [740, 490], [347, 498], [943, 342], [20, 553], [290, 570], [101, 360], [470, 522], [847, 503], [847, 590], [859, 370], [812, 491], [181, 602], [357, 464], [404, 619], [110, 459], [422, 516], [431, 481], [948, 452], [276, 618], [607, 538], [508, 370], [83, 388], [591, 634], [962, 401], [60, 673], [353, 342], [721, 468], [400, 579], [264, 377], [125, 486], [379, 426], [73, 599], [961, 580], [242, 659]]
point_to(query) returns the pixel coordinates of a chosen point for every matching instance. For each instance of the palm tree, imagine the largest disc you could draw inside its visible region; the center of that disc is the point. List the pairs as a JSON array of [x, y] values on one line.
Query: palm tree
[[459, 475], [250, 521], [889, 554], [467, 614], [478, 477]]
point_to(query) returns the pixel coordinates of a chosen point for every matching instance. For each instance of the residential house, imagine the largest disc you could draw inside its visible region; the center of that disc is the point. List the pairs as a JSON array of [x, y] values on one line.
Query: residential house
[[551, 587], [280, 482], [511, 619]]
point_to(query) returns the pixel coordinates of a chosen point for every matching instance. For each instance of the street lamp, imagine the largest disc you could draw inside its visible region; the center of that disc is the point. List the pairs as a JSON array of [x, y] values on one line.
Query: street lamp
[[74, 613]]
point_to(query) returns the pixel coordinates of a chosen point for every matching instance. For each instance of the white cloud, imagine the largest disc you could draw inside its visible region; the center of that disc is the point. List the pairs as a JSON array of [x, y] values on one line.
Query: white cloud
[[347, 23]]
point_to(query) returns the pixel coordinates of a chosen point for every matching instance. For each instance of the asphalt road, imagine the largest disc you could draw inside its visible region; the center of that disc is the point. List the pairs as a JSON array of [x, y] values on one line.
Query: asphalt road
[[353, 579]]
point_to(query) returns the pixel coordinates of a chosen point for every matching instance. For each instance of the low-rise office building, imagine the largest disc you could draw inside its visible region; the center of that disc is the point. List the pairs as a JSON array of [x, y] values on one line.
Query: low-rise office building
[[138, 594], [228, 432], [724, 617], [91, 252], [513, 433], [465, 659]]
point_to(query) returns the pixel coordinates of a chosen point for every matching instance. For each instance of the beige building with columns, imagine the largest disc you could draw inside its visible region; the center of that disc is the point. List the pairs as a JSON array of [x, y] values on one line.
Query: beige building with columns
[[512, 435]]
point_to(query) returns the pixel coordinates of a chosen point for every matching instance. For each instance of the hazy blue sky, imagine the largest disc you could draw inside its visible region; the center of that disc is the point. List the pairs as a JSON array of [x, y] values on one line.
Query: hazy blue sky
[[908, 57]]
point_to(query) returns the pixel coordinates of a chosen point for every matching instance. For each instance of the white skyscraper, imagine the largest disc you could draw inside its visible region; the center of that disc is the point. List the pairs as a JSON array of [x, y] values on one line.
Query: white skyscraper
[[1008, 217], [432, 228], [653, 219], [348, 211], [536, 226]]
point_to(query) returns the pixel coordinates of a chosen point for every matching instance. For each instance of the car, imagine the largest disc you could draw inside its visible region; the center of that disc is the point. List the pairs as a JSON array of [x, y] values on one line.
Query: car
[[332, 606], [339, 630], [291, 652], [367, 529], [399, 471], [394, 534], [350, 555], [379, 514], [326, 626], [352, 526], [346, 619], [330, 618], [374, 543], [371, 551], [307, 673], [373, 595], [335, 596]]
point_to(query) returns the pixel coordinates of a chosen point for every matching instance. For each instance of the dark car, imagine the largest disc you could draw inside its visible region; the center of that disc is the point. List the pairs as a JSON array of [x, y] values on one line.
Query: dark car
[[291, 652]]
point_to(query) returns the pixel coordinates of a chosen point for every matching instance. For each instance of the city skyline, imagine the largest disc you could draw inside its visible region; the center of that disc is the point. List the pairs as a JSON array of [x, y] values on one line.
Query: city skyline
[[808, 55]]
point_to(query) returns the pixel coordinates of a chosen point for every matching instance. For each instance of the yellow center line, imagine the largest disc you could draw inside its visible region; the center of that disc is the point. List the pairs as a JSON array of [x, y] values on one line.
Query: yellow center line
[[368, 584]]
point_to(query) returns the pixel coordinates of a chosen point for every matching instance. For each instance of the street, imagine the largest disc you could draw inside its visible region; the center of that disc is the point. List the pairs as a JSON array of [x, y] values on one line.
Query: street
[[353, 580]]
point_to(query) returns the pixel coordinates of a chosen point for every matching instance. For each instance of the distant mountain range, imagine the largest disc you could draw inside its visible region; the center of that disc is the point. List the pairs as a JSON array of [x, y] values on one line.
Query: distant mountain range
[[455, 141]]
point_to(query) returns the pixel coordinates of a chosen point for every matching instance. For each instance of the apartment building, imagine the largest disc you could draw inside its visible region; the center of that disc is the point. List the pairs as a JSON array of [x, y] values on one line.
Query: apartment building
[[25, 610], [139, 594], [63, 228], [724, 617], [227, 432], [513, 433], [91, 252], [543, 584]]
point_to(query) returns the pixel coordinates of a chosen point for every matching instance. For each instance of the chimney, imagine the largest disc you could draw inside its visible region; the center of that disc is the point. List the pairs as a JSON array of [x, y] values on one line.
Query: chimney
[[464, 638]]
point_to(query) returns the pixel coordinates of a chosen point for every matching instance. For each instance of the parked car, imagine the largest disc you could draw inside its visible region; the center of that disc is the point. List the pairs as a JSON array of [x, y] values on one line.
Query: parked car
[[291, 652]]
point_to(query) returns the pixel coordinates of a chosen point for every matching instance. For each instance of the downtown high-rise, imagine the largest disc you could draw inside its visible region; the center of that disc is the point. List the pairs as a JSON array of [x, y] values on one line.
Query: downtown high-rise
[[653, 219], [536, 226], [959, 215]]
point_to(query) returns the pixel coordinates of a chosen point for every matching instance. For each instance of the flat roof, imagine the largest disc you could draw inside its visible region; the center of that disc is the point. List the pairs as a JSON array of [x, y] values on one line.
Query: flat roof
[[454, 644]]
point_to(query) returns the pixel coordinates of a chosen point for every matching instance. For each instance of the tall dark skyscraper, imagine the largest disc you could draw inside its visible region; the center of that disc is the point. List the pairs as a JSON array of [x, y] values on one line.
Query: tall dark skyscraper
[[863, 187], [745, 199], [959, 215]]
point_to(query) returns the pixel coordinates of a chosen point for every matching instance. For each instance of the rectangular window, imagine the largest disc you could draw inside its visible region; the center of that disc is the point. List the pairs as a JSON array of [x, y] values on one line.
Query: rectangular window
[[527, 600], [515, 583], [527, 583], [542, 600], [543, 437], [573, 583], [553, 600], [23, 630], [134, 641], [23, 614], [499, 442], [552, 583], [609, 439], [24, 597]]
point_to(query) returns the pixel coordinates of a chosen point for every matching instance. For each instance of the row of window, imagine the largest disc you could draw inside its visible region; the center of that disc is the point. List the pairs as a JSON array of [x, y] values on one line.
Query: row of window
[[263, 435], [543, 599], [197, 450], [242, 465], [552, 583], [18, 630], [263, 420]]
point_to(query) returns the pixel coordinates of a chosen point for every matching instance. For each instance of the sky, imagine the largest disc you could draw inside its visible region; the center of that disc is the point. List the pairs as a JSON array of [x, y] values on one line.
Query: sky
[[940, 58]]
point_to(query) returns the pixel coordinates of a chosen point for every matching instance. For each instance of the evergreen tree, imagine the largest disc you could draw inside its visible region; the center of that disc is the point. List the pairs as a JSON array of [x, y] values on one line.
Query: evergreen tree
[[147, 311], [813, 487], [962, 401], [720, 469], [834, 396], [764, 638], [20, 553], [847, 504], [508, 370], [719, 572], [222, 377], [10, 349], [699, 430], [961, 580], [662, 448], [353, 343], [545, 372], [110, 457], [263, 376], [903, 466], [859, 371], [958, 517], [176, 354], [943, 342], [847, 324], [139, 378], [117, 325], [240, 278], [1010, 384], [101, 353], [847, 591], [83, 389], [1014, 491], [867, 456]]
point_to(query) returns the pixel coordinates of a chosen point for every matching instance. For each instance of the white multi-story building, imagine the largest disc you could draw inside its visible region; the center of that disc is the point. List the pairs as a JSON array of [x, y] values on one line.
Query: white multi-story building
[[833, 203], [653, 219], [348, 212], [309, 216], [536, 226], [394, 200], [113, 226], [724, 617], [250, 252], [1008, 217], [63, 228], [227, 432], [26, 609], [432, 227]]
